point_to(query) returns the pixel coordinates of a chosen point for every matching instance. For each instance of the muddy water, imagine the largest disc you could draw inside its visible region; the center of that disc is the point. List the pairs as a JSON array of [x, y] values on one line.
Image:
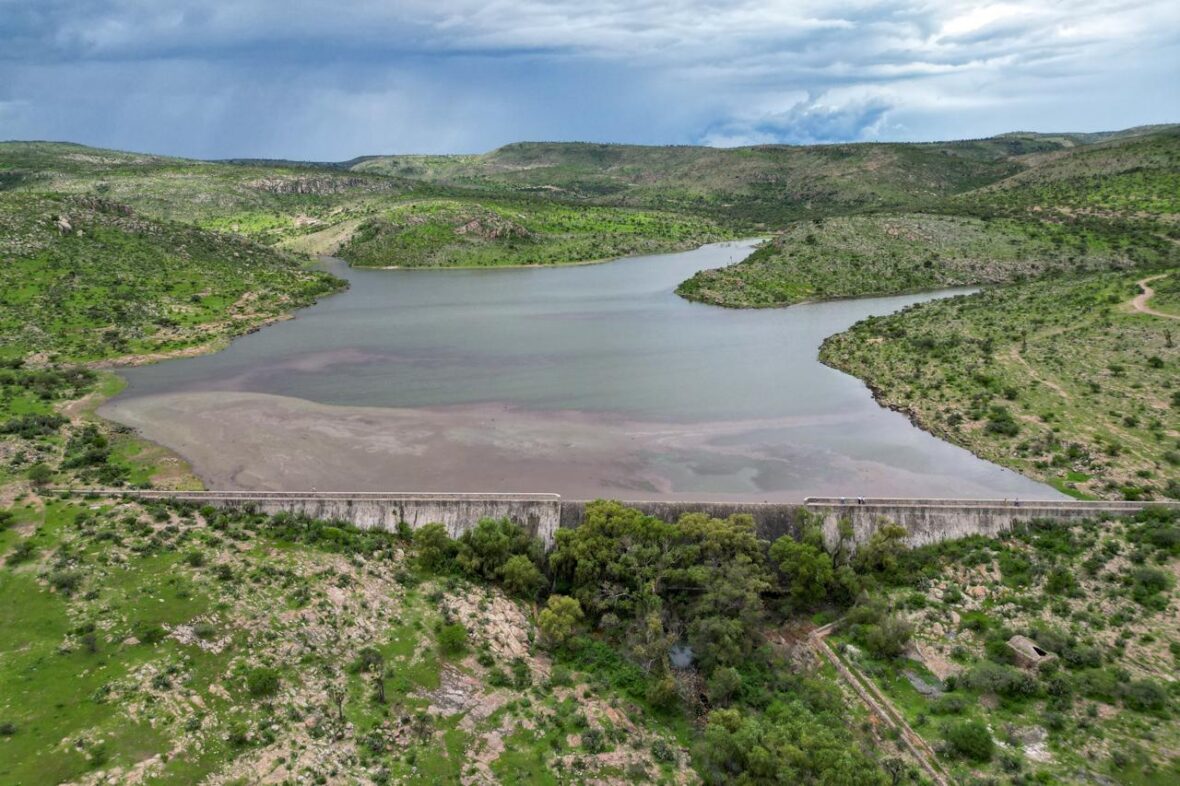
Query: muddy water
[[586, 381]]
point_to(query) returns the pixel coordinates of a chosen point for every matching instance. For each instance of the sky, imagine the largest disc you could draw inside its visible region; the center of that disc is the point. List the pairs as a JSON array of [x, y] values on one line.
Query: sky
[[333, 79]]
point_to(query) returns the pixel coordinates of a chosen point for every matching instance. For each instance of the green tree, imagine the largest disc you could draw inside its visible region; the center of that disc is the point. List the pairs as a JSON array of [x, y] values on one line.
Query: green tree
[[560, 619], [883, 551], [485, 548], [436, 549], [807, 571], [521, 576]]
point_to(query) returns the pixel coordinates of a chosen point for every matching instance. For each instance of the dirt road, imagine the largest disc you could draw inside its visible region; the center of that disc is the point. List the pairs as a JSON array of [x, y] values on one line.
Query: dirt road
[[1140, 301]]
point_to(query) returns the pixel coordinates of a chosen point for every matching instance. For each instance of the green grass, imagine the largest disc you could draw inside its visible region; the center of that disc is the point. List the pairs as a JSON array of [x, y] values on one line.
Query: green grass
[[450, 233], [118, 284]]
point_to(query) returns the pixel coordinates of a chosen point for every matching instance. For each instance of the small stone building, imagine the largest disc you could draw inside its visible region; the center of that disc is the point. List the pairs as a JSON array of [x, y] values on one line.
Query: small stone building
[[1028, 654]]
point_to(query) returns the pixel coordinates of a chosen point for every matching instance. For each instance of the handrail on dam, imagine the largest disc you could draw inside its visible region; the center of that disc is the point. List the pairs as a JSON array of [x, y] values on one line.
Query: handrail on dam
[[327, 495], [1010, 502]]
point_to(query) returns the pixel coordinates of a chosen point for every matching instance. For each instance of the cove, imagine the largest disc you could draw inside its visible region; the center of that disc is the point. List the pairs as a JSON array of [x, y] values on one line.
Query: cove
[[587, 381]]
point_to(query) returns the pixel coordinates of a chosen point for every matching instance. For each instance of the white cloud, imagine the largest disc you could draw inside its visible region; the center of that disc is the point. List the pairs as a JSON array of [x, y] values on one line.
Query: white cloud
[[474, 73]]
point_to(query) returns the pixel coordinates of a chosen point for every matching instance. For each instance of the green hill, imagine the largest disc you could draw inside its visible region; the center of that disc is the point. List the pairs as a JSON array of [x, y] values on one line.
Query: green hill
[[1059, 379], [882, 254], [84, 278], [1134, 177]]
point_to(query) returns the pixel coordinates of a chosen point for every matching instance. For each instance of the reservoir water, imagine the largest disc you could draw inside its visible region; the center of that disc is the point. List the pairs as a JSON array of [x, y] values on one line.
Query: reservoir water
[[587, 381]]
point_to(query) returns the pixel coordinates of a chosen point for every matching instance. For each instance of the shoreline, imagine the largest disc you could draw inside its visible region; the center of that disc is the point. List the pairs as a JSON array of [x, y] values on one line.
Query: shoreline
[[195, 451], [542, 265]]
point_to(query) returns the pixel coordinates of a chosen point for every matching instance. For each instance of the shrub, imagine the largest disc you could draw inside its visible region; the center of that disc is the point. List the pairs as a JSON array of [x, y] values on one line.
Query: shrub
[[889, 638], [521, 576], [949, 704], [560, 619], [40, 474], [262, 681], [1147, 582], [65, 581], [724, 685], [148, 632], [971, 740], [1001, 680], [1145, 696], [436, 549], [662, 693], [452, 639], [1000, 421]]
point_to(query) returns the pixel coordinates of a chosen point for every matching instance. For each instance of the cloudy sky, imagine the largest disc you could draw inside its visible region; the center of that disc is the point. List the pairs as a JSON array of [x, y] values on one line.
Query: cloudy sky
[[332, 79]]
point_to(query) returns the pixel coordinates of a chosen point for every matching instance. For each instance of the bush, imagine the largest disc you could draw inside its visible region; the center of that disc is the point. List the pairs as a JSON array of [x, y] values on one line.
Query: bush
[[148, 632], [724, 685], [262, 681], [22, 552], [65, 581], [40, 474], [1147, 583], [889, 638], [662, 693], [1145, 696], [560, 619], [971, 740], [1001, 680], [452, 639], [1000, 421], [521, 576], [436, 549]]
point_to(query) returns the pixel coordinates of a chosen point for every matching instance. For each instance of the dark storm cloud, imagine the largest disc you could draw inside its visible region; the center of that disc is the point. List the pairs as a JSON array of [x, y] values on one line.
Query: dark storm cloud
[[320, 79]]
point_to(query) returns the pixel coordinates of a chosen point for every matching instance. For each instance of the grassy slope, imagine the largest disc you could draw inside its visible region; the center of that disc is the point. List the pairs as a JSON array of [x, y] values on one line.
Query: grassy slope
[[126, 642], [1090, 386], [1078, 592], [317, 209], [751, 187], [84, 278], [884, 254], [1136, 178], [1109, 204], [449, 232]]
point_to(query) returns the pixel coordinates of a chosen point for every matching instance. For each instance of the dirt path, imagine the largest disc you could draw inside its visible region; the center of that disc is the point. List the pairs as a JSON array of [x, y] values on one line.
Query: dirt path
[[1140, 301], [1014, 354], [880, 706]]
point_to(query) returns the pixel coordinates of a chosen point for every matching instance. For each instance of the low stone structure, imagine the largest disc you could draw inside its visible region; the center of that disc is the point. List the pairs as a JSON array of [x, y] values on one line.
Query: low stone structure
[[1028, 654]]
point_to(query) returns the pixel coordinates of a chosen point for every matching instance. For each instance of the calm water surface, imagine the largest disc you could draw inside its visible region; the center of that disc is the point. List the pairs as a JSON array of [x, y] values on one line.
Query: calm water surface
[[737, 400]]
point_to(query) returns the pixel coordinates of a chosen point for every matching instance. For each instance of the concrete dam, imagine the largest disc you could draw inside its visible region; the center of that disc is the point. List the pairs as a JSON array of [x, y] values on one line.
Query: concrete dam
[[926, 520]]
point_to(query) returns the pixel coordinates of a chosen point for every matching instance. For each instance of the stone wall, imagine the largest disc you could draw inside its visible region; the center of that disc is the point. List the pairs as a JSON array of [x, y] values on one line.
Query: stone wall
[[926, 520], [538, 514]]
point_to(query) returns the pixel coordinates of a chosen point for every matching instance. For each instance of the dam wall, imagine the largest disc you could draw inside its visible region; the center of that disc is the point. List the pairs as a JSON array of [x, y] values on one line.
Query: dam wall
[[929, 521], [538, 514], [926, 521]]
